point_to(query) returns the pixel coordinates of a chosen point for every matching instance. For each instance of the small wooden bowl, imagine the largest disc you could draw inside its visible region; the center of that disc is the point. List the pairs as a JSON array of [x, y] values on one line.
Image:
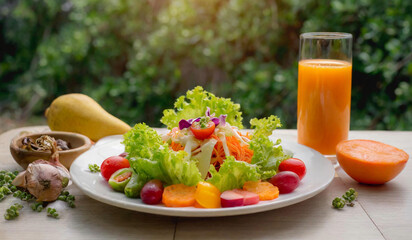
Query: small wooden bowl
[[23, 157]]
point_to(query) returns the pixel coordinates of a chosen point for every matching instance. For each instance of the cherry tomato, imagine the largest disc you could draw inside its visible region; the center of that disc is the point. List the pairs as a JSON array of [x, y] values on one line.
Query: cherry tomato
[[112, 164], [203, 133], [294, 165]]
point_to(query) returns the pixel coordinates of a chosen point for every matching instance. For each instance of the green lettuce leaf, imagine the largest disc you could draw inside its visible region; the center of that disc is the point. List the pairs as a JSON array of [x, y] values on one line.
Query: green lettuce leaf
[[233, 174], [194, 105], [149, 155], [267, 155], [265, 126]]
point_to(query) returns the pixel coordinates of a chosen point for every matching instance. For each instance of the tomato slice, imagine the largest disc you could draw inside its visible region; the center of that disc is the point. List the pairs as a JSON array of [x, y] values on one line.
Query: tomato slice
[[203, 133], [123, 176]]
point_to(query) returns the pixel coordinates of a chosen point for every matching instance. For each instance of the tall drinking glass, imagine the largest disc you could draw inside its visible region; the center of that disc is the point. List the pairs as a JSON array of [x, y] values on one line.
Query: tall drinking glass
[[324, 90]]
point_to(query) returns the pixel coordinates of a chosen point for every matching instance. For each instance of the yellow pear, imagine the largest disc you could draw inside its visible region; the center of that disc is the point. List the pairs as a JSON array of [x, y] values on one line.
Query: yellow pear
[[79, 113]]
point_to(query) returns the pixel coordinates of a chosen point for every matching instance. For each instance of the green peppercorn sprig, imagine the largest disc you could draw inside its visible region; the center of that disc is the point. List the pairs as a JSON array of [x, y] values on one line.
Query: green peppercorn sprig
[[52, 212], [4, 191], [338, 203], [350, 196], [13, 211], [65, 196], [24, 196], [347, 199], [37, 206], [94, 168], [6, 179], [6, 186]]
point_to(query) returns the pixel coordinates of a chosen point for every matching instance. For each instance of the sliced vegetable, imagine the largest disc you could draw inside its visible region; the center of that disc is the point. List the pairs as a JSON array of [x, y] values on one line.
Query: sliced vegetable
[[197, 205], [249, 198], [207, 195], [195, 104], [231, 198], [112, 164], [135, 185], [201, 132], [238, 197], [179, 195], [233, 174], [265, 190], [120, 178], [152, 192], [204, 156]]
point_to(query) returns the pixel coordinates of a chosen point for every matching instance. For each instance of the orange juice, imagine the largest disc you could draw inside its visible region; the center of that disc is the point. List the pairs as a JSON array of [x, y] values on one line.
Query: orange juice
[[324, 94]]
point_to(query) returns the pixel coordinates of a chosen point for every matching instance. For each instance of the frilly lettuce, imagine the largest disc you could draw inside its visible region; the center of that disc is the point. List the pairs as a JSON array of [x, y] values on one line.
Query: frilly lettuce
[[233, 174], [195, 104], [267, 155], [149, 155], [264, 126]]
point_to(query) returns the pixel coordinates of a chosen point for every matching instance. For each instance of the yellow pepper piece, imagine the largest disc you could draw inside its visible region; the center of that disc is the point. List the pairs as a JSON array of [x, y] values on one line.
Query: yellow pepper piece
[[207, 195]]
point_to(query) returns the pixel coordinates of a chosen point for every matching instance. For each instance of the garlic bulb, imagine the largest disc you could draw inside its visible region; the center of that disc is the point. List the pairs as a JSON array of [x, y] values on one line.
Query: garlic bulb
[[44, 179]]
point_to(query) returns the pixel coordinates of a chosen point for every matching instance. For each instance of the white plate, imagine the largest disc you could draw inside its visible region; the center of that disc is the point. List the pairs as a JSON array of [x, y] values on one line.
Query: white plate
[[320, 173]]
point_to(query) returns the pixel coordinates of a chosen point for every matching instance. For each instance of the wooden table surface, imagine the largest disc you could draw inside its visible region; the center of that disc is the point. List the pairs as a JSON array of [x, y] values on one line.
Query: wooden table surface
[[381, 212]]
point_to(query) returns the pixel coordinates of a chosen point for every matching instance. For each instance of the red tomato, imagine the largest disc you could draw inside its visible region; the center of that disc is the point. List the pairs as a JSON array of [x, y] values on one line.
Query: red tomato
[[112, 164], [203, 133], [294, 165]]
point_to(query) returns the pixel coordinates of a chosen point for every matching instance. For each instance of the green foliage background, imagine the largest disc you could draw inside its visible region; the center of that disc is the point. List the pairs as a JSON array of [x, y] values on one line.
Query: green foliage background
[[136, 57]]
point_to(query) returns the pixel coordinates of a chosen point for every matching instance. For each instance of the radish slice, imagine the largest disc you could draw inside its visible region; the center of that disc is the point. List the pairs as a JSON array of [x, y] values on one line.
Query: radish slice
[[249, 198], [231, 199]]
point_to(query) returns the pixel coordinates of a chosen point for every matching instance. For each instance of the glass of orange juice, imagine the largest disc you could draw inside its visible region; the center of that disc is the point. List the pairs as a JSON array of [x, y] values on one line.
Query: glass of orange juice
[[324, 90]]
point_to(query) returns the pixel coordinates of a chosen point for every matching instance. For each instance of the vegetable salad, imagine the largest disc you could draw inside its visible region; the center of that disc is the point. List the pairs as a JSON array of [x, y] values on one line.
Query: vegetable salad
[[203, 155]]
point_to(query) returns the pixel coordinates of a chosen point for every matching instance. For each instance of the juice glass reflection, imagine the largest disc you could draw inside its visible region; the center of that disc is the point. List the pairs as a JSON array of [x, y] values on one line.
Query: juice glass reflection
[[324, 90]]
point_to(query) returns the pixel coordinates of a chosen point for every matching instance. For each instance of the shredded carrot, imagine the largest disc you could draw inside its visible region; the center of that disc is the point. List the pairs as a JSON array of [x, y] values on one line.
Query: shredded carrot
[[236, 149], [176, 146]]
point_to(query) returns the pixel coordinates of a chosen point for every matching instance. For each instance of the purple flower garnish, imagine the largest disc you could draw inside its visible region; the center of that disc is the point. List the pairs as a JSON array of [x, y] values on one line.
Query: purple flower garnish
[[215, 120], [222, 119], [188, 123], [207, 112], [184, 124]]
